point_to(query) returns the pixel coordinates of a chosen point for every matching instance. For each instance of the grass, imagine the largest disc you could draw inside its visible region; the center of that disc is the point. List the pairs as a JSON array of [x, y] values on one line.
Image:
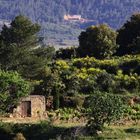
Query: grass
[[45, 131], [117, 133]]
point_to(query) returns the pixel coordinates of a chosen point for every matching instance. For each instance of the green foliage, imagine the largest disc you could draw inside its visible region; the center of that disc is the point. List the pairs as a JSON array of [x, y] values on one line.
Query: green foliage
[[57, 88], [127, 82], [59, 77], [67, 114], [41, 130], [98, 41], [98, 9], [128, 37], [12, 88], [133, 113], [66, 53], [69, 77], [86, 75], [50, 83], [45, 52], [45, 131], [128, 64], [19, 48], [117, 75], [105, 83], [55, 29], [76, 101], [105, 108], [56, 100], [21, 32]]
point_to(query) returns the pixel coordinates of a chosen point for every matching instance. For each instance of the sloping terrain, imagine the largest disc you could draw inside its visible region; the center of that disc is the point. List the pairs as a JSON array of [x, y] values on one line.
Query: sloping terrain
[[50, 13]]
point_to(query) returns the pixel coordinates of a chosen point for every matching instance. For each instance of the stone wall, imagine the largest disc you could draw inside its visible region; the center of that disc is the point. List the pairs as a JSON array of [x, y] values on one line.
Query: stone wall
[[38, 106]]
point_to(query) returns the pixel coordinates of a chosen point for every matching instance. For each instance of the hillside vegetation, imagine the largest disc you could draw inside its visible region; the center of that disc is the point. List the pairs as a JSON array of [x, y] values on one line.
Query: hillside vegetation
[[50, 15], [113, 12], [96, 83]]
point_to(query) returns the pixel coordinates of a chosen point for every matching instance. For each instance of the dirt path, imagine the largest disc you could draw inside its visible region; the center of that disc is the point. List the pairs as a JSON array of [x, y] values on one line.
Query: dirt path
[[21, 120]]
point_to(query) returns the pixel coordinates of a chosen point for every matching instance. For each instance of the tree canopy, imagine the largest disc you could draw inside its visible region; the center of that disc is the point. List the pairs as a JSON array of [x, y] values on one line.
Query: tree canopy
[[21, 32], [20, 49], [128, 36], [98, 41]]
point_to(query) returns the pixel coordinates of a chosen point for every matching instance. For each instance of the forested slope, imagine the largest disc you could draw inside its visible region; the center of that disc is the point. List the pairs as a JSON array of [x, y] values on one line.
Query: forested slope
[[49, 13]]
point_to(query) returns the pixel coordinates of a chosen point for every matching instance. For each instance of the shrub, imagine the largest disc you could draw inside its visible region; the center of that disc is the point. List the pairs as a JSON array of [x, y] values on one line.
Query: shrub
[[105, 82], [105, 108], [12, 88], [72, 102], [127, 82]]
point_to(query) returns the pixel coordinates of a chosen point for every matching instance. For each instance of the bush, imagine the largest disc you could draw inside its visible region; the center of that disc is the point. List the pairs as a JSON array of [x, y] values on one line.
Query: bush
[[105, 82], [72, 102], [105, 108], [12, 88], [128, 83]]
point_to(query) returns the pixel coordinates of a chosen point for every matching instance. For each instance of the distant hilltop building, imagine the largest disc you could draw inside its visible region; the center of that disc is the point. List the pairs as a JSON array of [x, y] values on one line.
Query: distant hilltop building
[[76, 18], [72, 17]]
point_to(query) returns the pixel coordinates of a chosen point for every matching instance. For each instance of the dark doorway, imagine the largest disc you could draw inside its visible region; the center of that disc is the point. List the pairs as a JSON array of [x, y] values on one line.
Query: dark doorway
[[26, 109]]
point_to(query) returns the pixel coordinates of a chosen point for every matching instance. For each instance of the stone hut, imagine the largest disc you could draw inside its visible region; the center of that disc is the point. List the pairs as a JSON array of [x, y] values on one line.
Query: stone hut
[[31, 106]]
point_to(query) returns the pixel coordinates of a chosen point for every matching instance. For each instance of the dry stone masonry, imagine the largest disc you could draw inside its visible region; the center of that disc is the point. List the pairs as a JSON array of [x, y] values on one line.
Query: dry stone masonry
[[31, 106]]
